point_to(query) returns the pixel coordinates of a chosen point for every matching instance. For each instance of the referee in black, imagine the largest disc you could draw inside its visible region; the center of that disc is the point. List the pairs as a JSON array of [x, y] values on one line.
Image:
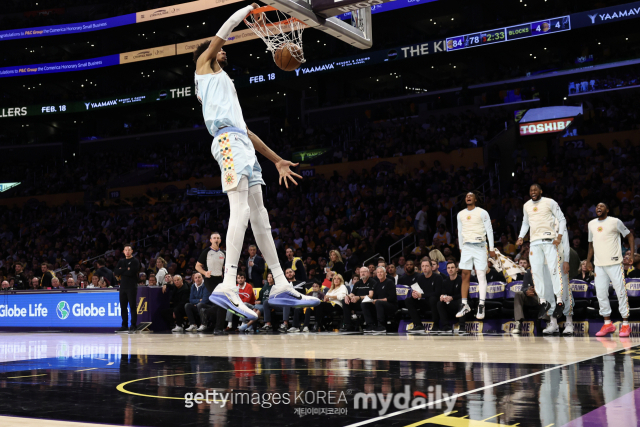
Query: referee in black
[[128, 270], [211, 264]]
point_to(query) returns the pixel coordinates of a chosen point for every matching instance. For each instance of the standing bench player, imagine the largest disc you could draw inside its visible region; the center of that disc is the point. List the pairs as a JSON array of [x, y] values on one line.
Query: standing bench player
[[540, 214], [234, 148], [604, 244], [474, 229]]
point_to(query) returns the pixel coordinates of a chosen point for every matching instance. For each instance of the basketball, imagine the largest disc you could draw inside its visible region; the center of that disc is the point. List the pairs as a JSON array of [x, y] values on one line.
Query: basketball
[[287, 55]]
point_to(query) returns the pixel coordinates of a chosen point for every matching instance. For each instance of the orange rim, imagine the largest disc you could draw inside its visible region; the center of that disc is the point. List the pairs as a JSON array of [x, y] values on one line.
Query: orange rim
[[263, 9]]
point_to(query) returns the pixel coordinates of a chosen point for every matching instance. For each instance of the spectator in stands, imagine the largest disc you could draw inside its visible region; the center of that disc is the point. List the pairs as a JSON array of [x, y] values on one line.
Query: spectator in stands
[[55, 283], [442, 236], [152, 280], [576, 245], [335, 262], [350, 260], [355, 277], [161, 266], [508, 248], [524, 252], [400, 266], [635, 273], [383, 304], [197, 295], [71, 283], [246, 294], [105, 273], [431, 285], [179, 298], [46, 277], [627, 263], [142, 279], [584, 274], [35, 283], [94, 282], [353, 300], [421, 250], [441, 263], [391, 273], [524, 263], [450, 299], [255, 267], [20, 279], [335, 294], [5, 285], [435, 266], [295, 264]]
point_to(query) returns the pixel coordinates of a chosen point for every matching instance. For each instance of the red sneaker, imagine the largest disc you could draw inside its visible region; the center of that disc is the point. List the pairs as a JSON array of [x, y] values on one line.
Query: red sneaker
[[625, 331], [606, 329]]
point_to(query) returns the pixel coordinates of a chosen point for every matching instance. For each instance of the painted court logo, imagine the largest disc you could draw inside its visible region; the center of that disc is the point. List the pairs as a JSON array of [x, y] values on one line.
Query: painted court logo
[[63, 310]]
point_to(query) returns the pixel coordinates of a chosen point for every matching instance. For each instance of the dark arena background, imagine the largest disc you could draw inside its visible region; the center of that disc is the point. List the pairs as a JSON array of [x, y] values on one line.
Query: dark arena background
[[116, 224]]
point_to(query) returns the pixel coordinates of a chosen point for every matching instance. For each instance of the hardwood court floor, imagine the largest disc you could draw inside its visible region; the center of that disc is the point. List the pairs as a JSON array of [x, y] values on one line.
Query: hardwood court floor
[[54, 379]]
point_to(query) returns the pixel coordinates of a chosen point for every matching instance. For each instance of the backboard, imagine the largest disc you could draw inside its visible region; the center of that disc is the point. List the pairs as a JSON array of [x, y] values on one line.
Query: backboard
[[357, 33]]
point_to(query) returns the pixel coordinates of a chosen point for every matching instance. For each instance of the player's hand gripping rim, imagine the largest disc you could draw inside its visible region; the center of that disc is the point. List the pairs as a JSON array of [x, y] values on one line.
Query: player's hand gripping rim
[[285, 172]]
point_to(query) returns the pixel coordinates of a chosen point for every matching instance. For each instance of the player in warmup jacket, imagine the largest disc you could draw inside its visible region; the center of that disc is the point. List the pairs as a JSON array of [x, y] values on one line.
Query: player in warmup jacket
[[605, 249], [234, 148], [474, 230]]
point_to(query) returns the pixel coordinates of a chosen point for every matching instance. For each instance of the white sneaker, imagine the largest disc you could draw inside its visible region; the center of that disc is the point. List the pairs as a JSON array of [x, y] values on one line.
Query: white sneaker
[[191, 328], [202, 328], [551, 329], [293, 329], [284, 295], [228, 299], [464, 310], [177, 329], [305, 329], [568, 328]]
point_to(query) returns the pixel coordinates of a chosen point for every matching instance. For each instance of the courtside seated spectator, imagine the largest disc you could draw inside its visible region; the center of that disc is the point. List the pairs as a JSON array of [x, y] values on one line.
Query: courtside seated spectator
[[585, 275], [524, 263], [335, 294], [35, 284], [383, 304], [246, 294], [45, 281], [105, 273], [71, 283], [260, 308], [179, 298], [5, 285], [153, 281], [635, 273], [161, 266], [20, 279], [410, 275], [197, 295], [299, 312], [55, 283], [527, 296]]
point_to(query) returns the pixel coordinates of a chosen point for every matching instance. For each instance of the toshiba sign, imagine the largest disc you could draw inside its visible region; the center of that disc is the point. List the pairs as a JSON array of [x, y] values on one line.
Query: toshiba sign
[[546, 126]]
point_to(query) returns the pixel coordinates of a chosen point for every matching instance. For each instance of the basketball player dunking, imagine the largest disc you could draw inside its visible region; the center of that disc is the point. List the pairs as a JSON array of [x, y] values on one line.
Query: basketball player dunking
[[604, 243], [540, 213], [234, 148], [474, 230]]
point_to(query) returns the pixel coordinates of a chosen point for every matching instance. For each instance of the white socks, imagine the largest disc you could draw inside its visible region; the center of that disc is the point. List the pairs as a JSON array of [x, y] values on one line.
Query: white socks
[[238, 222], [262, 232], [558, 300], [625, 322], [464, 300], [482, 283], [606, 322], [569, 319], [554, 321]]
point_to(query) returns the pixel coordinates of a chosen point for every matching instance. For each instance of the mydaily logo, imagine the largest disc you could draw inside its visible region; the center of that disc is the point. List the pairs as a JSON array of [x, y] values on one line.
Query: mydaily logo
[[434, 398]]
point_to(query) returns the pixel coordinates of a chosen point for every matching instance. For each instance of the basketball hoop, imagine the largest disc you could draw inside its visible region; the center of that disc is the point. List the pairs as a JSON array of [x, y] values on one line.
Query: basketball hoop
[[284, 33]]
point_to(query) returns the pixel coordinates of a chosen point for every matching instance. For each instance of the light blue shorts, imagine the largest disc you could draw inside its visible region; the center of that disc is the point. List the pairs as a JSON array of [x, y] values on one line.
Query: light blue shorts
[[236, 157], [473, 255]]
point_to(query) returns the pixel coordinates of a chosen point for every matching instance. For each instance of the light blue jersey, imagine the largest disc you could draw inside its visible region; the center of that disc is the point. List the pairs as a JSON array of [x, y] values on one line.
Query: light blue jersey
[[220, 106]]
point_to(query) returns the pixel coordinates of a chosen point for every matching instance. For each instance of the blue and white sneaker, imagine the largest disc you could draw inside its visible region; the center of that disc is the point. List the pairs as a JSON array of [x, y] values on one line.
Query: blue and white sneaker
[[229, 300], [284, 295]]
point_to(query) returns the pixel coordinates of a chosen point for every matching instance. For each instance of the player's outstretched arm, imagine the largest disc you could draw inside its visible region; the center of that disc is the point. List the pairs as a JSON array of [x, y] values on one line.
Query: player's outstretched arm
[[221, 38], [283, 166]]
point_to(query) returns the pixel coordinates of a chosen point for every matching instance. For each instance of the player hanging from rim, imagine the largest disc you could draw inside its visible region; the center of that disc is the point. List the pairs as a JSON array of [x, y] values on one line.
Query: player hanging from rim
[[474, 229], [604, 244], [234, 148], [540, 213]]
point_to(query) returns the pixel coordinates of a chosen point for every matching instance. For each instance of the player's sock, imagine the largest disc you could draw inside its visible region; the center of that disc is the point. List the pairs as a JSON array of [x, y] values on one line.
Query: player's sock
[[481, 301], [569, 319], [606, 322], [464, 300], [482, 284], [625, 322], [558, 300], [238, 222], [542, 301], [262, 233]]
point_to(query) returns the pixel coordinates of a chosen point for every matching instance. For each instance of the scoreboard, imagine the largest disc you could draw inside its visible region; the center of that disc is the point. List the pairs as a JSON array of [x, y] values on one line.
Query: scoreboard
[[522, 31]]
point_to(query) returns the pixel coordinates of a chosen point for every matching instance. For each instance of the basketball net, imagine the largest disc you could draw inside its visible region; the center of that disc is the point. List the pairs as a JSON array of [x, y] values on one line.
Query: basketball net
[[285, 32]]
